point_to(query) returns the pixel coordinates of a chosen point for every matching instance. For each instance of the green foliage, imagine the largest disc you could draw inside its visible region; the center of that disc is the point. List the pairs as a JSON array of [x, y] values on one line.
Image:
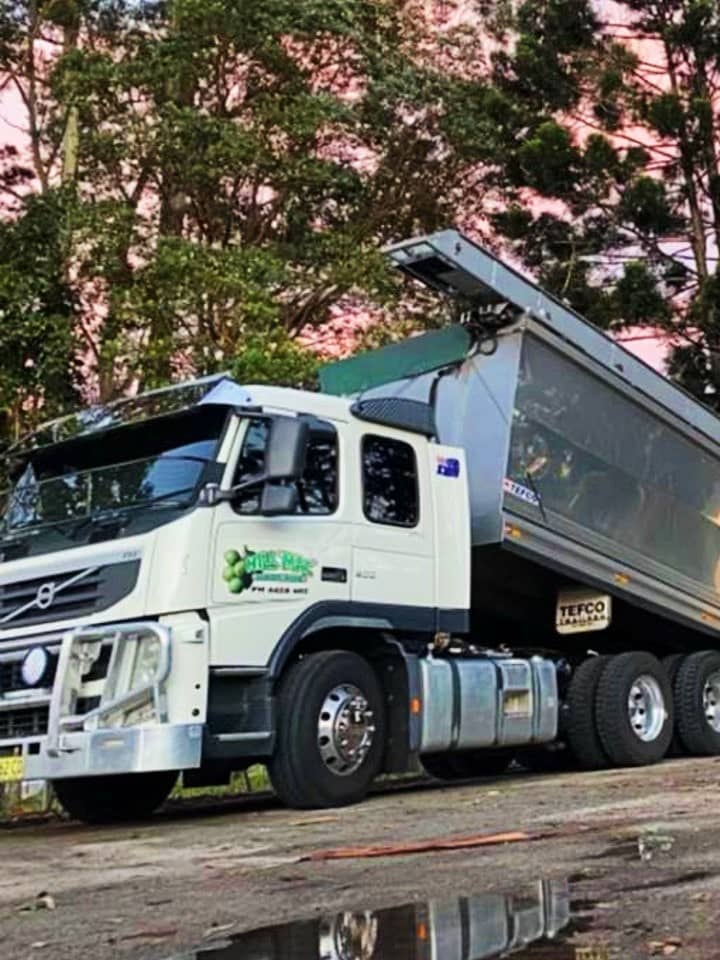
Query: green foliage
[[645, 204], [228, 173], [666, 114], [275, 359], [37, 339], [549, 160], [214, 202], [647, 197], [637, 299]]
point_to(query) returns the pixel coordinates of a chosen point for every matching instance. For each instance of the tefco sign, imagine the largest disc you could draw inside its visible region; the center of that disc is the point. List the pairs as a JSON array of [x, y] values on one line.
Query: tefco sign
[[579, 611]]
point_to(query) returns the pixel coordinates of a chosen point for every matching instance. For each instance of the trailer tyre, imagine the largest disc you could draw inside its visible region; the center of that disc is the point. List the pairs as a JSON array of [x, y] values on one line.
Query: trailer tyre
[[466, 764], [697, 703], [671, 663], [581, 731], [330, 731], [634, 709], [114, 799]]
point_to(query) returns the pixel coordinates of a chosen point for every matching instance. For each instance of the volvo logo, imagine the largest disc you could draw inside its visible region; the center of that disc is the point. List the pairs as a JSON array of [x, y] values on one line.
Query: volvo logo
[[45, 595]]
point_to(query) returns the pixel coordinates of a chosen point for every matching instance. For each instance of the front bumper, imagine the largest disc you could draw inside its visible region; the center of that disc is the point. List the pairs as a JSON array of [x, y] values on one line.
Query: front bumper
[[100, 739], [122, 750]]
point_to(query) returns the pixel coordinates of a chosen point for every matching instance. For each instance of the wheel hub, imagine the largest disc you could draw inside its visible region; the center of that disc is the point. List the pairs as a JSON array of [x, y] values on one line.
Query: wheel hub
[[346, 729], [646, 708], [349, 936], [711, 701]]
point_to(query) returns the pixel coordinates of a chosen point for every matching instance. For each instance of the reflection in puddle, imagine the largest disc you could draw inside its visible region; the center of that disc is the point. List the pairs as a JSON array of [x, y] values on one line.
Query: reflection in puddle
[[461, 928]]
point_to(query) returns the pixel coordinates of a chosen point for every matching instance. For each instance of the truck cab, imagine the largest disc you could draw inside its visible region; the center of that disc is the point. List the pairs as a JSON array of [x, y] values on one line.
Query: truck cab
[[171, 560]]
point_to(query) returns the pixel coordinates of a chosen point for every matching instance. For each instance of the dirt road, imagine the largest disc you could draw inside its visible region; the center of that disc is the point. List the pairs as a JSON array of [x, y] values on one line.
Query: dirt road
[[640, 850]]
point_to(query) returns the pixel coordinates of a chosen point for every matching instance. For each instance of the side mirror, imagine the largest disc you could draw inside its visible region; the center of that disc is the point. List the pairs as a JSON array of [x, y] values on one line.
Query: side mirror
[[278, 501], [286, 448]]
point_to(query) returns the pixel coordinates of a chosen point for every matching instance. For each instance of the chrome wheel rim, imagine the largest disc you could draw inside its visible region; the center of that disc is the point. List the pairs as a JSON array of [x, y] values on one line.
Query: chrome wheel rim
[[348, 936], [346, 729], [646, 708], [711, 701]]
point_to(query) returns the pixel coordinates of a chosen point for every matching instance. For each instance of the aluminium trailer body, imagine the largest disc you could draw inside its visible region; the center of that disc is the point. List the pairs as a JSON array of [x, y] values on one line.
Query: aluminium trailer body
[[586, 466]]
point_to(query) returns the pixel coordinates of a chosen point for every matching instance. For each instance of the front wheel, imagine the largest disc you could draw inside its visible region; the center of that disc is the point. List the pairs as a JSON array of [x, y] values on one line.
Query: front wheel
[[330, 731], [114, 799]]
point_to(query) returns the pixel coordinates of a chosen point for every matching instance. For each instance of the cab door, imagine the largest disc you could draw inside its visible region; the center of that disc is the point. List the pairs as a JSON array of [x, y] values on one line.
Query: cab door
[[393, 541], [268, 570]]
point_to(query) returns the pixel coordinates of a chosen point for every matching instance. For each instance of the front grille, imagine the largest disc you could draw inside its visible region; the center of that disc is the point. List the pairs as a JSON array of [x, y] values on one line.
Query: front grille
[[77, 598], [10, 678], [48, 598], [23, 722]]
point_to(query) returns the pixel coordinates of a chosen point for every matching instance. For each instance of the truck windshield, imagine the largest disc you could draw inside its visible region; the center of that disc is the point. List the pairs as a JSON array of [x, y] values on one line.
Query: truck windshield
[[157, 464], [170, 480]]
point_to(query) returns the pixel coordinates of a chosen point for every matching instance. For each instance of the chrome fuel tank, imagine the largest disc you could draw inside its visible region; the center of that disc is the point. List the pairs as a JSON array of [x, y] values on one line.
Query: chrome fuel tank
[[487, 702]]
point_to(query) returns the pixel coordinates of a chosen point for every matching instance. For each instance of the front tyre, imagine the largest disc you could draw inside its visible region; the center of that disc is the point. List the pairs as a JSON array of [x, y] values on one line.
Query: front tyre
[[634, 710], [330, 731], [114, 799]]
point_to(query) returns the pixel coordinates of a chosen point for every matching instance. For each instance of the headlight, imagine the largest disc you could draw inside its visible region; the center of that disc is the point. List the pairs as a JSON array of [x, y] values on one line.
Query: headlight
[[147, 661], [35, 667]]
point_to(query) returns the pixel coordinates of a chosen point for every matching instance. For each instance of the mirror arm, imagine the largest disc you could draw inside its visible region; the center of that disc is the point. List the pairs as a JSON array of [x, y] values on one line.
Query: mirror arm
[[212, 494]]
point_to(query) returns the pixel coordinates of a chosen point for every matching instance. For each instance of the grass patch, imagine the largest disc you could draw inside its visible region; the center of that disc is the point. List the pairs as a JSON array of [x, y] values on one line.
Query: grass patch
[[252, 780]]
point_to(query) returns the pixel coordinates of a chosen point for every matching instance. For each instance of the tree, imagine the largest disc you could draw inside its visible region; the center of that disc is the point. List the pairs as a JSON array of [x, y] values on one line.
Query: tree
[[229, 170], [616, 118], [37, 342]]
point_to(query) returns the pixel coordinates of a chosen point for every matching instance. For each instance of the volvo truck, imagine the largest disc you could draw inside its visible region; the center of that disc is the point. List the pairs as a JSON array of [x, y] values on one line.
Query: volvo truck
[[496, 541]]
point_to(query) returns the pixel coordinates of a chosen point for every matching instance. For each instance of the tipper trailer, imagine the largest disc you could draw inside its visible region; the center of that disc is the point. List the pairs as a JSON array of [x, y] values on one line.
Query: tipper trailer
[[498, 540]]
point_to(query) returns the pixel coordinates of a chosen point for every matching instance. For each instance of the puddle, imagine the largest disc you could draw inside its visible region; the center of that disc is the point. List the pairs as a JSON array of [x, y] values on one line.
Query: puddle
[[530, 923]]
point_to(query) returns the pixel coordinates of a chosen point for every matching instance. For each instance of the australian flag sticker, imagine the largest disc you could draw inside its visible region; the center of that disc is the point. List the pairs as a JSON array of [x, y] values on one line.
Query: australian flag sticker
[[448, 467]]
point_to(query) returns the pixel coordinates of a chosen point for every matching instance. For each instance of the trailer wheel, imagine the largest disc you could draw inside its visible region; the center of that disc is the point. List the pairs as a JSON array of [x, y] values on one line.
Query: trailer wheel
[[671, 663], [114, 799], [330, 731], [580, 726], [697, 703], [466, 764], [634, 709]]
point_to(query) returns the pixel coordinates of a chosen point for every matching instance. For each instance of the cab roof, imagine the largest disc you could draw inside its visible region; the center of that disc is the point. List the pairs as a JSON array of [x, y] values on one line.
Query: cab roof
[[218, 390]]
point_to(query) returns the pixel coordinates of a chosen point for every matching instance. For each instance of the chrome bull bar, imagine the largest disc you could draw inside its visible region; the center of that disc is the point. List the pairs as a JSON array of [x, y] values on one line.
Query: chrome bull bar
[[79, 650]]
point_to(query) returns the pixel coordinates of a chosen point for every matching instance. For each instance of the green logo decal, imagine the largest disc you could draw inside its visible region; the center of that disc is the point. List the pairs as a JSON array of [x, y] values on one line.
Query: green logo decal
[[265, 566]]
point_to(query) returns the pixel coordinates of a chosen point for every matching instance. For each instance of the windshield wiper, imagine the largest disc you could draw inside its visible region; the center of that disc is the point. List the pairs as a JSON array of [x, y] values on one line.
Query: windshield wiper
[[533, 486], [108, 516]]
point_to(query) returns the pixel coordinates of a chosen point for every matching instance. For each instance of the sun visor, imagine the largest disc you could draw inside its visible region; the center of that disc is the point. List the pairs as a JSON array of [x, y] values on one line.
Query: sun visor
[[227, 393], [217, 389]]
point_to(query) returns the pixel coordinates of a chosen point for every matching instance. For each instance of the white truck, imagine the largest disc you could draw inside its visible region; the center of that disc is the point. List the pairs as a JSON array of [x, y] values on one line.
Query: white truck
[[500, 538]]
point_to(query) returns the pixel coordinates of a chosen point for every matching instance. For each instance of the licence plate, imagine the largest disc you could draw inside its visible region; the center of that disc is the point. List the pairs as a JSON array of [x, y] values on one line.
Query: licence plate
[[11, 769]]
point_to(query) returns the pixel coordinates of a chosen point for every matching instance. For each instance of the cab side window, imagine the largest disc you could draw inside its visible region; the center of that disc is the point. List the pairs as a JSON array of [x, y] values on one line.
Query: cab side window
[[318, 486], [390, 486]]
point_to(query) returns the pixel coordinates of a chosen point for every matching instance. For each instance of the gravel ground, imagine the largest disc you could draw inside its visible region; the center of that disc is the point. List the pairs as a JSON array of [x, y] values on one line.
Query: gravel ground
[[640, 849]]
